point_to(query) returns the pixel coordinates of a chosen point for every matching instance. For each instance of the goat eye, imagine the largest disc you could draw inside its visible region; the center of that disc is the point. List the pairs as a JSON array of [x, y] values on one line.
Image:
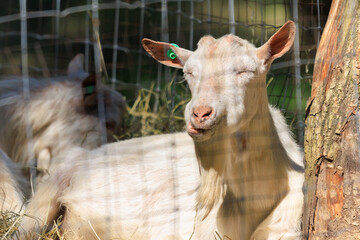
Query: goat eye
[[188, 73], [240, 72]]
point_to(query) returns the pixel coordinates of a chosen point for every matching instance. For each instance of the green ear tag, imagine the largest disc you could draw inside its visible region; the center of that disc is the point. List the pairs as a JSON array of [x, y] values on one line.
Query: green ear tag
[[170, 52], [89, 89]]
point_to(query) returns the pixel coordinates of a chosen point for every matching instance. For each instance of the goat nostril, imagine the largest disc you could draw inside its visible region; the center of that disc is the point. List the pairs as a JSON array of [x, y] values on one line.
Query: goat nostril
[[202, 113], [207, 114]]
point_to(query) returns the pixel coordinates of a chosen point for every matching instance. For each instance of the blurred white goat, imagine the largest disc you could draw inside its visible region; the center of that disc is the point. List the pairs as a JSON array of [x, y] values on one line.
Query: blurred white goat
[[251, 169], [60, 115]]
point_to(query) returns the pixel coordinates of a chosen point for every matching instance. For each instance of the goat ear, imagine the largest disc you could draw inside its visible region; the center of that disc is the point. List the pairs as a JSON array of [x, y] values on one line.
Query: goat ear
[[76, 65], [89, 85], [159, 50], [278, 44]]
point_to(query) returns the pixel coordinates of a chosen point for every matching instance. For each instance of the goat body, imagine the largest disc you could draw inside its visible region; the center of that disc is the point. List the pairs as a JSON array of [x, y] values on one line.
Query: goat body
[[143, 188]]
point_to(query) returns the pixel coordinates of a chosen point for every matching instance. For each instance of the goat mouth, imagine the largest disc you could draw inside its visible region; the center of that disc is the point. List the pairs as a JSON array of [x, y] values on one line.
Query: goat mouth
[[191, 130], [198, 133]]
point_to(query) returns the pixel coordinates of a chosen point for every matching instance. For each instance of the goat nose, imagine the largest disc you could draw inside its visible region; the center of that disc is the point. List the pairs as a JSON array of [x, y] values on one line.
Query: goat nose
[[202, 113]]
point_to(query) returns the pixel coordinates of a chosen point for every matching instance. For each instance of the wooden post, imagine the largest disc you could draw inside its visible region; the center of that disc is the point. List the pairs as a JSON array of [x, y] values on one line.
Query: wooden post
[[332, 135]]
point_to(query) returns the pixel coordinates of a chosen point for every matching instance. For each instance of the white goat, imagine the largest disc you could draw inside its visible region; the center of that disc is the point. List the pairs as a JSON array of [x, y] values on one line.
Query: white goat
[[61, 115], [251, 168]]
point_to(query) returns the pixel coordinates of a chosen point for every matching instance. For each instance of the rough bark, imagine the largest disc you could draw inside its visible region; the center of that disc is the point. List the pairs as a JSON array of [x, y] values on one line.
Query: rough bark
[[332, 135]]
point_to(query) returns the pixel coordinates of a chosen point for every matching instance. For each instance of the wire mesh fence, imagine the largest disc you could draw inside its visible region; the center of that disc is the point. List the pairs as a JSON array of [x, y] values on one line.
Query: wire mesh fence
[[39, 38]]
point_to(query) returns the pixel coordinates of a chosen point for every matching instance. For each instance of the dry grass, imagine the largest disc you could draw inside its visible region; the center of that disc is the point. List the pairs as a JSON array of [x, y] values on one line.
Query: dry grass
[[9, 228], [155, 112], [8, 224]]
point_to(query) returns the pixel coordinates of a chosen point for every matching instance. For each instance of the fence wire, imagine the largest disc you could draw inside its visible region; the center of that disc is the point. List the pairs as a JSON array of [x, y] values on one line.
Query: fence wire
[[39, 38], [124, 24]]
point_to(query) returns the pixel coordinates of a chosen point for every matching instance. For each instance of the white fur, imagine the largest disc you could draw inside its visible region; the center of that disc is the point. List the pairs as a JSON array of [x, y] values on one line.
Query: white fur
[[11, 183], [144, 188]]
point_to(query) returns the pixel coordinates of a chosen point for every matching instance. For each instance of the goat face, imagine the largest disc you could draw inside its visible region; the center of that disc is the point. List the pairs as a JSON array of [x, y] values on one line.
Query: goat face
[[218, 73], [115, 107], [221, 74]]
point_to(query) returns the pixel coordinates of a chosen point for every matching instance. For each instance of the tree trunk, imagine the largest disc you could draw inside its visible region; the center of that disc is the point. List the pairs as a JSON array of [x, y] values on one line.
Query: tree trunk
[[332, 135]]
